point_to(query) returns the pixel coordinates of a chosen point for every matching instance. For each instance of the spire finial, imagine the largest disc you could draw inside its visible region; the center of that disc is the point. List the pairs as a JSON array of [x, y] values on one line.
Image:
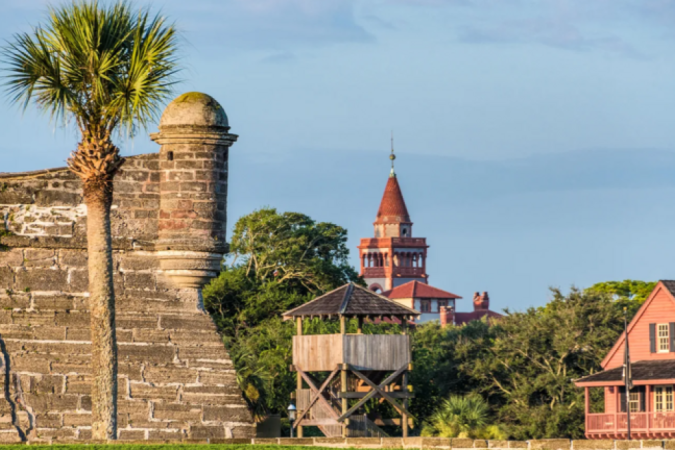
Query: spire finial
[[392, 174]]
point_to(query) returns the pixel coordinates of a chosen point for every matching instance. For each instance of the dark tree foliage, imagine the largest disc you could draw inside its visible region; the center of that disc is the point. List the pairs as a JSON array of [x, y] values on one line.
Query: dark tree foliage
[[523, 365], [281, 260]]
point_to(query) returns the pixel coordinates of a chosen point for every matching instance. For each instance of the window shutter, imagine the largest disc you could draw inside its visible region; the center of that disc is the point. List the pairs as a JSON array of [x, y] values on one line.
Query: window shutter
[[622, 399], [672, 336], [652, 338], [642, 399]]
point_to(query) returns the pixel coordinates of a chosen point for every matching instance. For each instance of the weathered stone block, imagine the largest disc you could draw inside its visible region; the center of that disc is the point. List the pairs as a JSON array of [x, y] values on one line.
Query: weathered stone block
[[48, 420], [130, 321], [7, 278], [150, 336], [436, 442], [206, 432], [185, 323], [177, 411], [57, 198], [131, 435], [165, 435], [11, 258], [653, 443], [462, 443], [38, 257], [480, 443], [155, 354], [498, 444], [146, 392], [627, 445], [164, 375], [230, 413], [77, 419], [46, 384], [30, 363], [139, 281], [79, 281], [518, 444], [42, 280], [584, 444], [551, 444], [390, 443], [362, 442], [78, 319], [266, 441], [216, 378], [53, 302], [72, 259], [14, 300], [132, 262], [296, 441]]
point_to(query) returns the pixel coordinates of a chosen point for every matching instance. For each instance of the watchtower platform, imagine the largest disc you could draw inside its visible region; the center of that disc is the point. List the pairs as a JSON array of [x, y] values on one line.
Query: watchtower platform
[[370, 366]]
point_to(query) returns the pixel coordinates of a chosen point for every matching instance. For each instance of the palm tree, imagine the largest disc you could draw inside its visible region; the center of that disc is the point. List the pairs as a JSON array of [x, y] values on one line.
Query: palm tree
[[105, 69], [464, 417]]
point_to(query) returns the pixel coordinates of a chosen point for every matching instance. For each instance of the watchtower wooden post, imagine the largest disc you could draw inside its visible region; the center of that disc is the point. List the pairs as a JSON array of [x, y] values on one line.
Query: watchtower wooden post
[[370, 366]]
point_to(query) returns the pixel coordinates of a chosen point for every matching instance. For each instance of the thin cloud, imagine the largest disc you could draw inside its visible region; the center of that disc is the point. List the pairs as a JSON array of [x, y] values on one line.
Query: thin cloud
[[552, 33], [279, 58], [271, 24]]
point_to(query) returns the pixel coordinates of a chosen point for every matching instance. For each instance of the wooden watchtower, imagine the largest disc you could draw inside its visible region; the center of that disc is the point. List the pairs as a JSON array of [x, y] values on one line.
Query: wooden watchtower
[[354, 368]]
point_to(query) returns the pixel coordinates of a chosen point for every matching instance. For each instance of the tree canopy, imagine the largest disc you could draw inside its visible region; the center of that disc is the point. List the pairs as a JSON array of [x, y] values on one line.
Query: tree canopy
[[280, 261], [523, 364]]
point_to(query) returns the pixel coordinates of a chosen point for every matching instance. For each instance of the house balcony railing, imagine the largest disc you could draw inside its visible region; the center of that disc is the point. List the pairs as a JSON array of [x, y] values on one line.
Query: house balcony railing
[[641, 424]]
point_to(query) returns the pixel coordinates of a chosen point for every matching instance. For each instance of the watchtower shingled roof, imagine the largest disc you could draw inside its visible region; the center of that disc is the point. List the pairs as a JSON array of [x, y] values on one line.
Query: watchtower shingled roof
[[351, 300]]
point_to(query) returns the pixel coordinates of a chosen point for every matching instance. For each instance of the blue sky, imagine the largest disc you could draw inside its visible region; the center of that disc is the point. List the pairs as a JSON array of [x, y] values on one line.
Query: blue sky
[[535, 138]]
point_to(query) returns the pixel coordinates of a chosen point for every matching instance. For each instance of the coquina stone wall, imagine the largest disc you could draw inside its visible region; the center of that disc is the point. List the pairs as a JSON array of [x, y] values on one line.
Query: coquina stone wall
[[176, 379]]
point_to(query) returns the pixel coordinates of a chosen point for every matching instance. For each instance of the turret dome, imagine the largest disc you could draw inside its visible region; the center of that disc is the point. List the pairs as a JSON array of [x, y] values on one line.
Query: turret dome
[[194, 109]]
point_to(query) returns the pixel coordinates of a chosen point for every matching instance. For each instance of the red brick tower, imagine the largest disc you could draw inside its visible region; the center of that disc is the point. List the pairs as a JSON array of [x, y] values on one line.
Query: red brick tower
[[393, 257]]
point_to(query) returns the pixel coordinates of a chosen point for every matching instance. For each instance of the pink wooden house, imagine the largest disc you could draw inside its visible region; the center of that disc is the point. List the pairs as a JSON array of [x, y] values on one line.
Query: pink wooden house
[[651, 338]]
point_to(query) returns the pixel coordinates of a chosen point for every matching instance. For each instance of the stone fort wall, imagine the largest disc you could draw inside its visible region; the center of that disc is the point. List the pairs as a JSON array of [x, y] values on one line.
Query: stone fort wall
[[176, 379]]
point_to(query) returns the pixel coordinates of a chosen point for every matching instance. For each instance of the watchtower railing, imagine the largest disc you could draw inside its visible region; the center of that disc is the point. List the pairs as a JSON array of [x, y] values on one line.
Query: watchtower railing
[[323, 352]]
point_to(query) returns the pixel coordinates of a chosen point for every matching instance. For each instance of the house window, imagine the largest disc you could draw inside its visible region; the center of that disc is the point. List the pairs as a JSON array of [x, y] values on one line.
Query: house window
[[442, 303], [425, 306], [663, 398], [634, 402], [663, 337]]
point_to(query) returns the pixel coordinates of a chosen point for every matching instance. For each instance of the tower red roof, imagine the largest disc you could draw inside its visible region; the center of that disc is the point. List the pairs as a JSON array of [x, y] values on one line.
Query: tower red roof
[[415, 289], [392, 208]]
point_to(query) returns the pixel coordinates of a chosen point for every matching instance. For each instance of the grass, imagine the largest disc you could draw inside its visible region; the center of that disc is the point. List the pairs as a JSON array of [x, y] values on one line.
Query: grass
[[162, 447]]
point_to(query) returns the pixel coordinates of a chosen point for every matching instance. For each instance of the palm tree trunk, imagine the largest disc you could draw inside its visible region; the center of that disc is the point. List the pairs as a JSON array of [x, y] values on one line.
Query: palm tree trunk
[[98, 198]]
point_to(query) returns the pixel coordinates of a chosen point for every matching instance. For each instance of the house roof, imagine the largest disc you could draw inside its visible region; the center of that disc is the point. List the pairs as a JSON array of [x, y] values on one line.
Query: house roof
[[464, 318], [640, 370], [415, 289], [351, 300], [669, 285], [392, 207]]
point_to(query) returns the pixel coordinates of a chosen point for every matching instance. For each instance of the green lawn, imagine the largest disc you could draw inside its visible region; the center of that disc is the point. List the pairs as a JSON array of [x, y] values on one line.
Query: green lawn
[[161, 446]]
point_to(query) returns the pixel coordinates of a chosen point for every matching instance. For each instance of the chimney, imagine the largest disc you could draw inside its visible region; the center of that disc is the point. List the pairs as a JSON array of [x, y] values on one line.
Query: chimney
[[481, 302], [447, 316]]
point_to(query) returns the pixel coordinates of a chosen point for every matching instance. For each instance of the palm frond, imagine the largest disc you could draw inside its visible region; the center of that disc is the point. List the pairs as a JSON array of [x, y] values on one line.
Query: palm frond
[[105, 67]]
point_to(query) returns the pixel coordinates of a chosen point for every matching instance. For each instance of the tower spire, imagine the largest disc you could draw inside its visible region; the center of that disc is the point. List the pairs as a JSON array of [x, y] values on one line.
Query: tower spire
[[392, 174]]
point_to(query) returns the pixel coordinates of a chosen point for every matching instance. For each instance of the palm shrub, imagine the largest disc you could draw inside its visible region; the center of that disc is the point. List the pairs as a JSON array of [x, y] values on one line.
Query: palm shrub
[[463, 417], [105, 69]]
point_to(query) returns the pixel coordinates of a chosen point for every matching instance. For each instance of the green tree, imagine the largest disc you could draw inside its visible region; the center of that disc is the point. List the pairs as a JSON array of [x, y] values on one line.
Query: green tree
[[280, 261], [535, 355], [630, 294], [106, 69]]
